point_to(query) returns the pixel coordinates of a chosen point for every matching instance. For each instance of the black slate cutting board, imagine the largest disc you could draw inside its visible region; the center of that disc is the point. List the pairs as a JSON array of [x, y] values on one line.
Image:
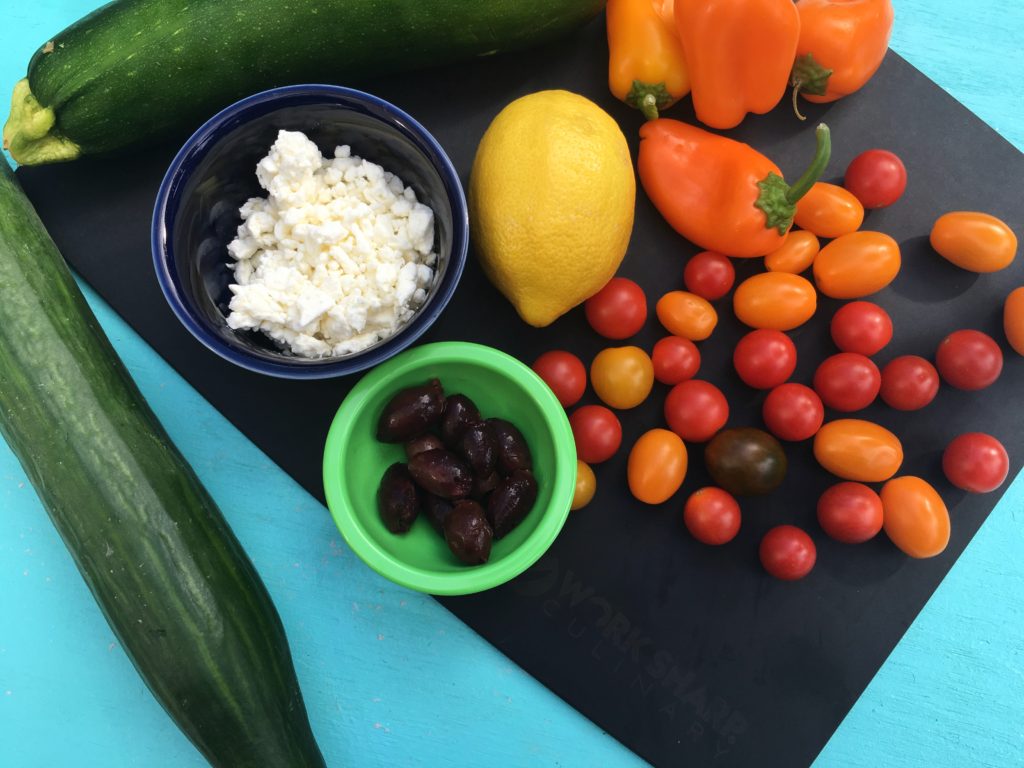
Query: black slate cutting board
[[689, 655]]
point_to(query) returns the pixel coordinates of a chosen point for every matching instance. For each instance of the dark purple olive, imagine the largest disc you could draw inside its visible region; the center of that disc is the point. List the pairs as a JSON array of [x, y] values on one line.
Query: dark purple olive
[[411, 412], [441, 473], [513, 452], [511, 501], [427, 442], [484, 485], [398, 499], [436, 510], [467, 532], [479, 447], [459, 413]]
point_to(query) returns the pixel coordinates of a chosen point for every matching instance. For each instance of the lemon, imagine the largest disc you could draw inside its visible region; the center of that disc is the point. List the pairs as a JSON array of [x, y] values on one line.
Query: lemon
[[551, 199]]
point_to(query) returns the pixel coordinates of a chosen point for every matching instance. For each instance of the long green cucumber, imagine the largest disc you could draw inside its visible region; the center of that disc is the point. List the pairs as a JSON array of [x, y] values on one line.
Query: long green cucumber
[[169, 575], [136, 70]]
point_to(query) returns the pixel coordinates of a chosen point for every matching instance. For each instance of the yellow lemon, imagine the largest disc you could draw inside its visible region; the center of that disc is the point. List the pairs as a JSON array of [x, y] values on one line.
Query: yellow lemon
[[551, 199]]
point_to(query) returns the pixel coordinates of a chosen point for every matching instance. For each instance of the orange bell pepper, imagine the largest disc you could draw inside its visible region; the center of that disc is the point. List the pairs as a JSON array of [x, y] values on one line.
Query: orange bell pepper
[[740, 54], [718, 193], [646, 68]]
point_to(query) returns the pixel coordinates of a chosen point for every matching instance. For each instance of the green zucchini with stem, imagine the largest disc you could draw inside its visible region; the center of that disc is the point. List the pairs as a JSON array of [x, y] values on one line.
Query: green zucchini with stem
[[168, 574]]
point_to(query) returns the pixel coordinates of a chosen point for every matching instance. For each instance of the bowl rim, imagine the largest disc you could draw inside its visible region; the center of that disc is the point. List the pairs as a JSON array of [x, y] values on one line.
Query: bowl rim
[[473, 578], [196, 147]]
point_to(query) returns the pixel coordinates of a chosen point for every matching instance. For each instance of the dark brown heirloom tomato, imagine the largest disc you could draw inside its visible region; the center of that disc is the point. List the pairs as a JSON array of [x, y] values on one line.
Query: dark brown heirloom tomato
[[411, 412], [427, 442], [513, 452], [467, 532], [436, 510], [479, 447], [511, 501], [441, 473], [398, 499], [746, 461], [459, 413]]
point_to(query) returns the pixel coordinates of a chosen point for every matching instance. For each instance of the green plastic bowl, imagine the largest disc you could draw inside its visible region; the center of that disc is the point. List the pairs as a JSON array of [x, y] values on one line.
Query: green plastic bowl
[[354, 462]]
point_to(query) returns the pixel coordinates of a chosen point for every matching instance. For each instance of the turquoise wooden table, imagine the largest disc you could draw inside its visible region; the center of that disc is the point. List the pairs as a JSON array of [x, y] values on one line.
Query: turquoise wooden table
[[390, 677]]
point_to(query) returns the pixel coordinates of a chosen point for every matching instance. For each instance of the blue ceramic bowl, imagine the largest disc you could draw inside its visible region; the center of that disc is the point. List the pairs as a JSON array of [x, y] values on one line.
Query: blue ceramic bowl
[[196, 213]]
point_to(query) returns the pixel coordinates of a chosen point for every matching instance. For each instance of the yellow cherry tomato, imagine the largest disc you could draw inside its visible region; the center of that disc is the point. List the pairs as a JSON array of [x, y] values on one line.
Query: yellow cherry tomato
[[776, 300], [914, 516], [622, 376], [586, 485], [857, 265], [1013, 320], [974, 241], [657, 466], [854, 449], [687, 314], [795, 255], [829, 211]]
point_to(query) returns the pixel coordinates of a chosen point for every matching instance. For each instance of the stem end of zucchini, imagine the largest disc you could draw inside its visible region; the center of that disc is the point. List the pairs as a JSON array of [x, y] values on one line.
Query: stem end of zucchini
[[30, 133]]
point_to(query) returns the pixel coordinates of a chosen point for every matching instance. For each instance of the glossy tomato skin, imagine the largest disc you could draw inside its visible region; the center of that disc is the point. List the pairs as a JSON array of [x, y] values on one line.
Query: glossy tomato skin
[[877, 177], [622, 376], [856, 265], [829, 211], [976, 462], [795, 255], [586, 486], [675, 359], [847, 381], [915, 517], [969, 360], [746, 461], [862, 327], [687, 314], [657, 466], [564, 373], [850, 512], [1013, 320], [712, 516], [617, 311], [909, 383], [597, 432], [793, 412], [974, 241], [695, 410], [854, 449], [777, 300], [764, 358], [709, 275], [787, 552]]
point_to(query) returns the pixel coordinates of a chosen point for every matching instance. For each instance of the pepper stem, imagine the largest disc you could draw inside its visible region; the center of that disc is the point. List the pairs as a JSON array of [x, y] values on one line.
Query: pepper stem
[[777, 199], [822, 155], [649, 98]]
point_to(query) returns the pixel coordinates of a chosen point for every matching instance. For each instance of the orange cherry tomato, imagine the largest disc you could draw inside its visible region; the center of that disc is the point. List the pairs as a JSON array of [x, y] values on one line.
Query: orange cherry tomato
[[795, 255], [859, 450], [974, 241], [586, 486], [914, 516], [687, 314], [1013, 320], [622, 376], [657, 466], [829, 210], [856, 265], [776, 300]]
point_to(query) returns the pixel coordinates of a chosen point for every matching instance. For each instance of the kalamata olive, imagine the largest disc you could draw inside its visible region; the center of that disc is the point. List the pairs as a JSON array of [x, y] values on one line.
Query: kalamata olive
[[479, 447], [467, 532], [398, 499], [513, 452], [459, 413], [411, 412], [482, 485], [436, 510], [441, 473], [427, 442], [511, 501]]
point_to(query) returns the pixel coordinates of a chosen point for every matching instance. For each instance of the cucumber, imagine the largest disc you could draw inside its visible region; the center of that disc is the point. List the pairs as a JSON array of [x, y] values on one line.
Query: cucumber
[[170, 577], [135, 71]]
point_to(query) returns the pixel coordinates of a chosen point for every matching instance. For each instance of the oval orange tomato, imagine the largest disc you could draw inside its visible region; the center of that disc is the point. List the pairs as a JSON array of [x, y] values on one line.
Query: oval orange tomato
[[657, 466], [622, 376], [795, 255], [829, 211], [586, 486], [776, 300], [854, 449], [914, 516], [856, 265], [687, 314], [974, 241], [1013, 320]]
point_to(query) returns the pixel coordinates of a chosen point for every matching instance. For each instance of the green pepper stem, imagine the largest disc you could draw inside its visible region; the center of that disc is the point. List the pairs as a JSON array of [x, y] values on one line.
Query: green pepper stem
[[821, 157], [649, 106]]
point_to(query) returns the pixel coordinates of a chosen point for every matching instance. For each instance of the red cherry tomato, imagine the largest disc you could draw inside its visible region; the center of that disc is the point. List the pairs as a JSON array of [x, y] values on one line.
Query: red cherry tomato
[[861, 327], [618, 310], [675, 359], [909, 382], [564, 373], [695, 410], [712, 516], [969, 360], [877, 178], [764, 358], [793, 412], [975, 462], [847, 381], [710, 275], [787, 552], [597, 432], [850, 512]]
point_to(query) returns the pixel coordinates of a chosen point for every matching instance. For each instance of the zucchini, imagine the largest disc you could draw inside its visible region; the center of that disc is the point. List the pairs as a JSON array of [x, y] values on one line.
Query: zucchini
[[135, 71], [170, 577]]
